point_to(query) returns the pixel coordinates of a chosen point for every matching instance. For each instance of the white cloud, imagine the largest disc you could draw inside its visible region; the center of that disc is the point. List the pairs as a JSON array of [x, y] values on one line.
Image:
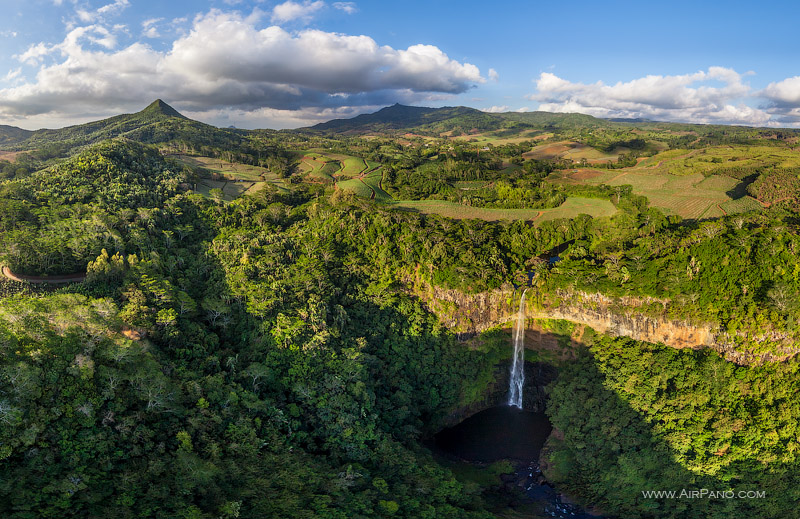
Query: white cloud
[[149, 29], [226, 62], [783, 99], [688, 97], [496, 109], [348, 7], [493, 75], [34, 54], [108, 10], [13, 74], [289, 11], [114, 8]]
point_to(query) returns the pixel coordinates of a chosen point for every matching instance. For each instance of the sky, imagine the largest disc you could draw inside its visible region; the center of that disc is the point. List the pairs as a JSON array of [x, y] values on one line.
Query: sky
[[287, 64]]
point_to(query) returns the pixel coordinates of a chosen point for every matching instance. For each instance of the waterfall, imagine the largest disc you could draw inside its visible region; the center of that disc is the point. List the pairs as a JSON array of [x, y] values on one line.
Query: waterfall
[[518, 363]]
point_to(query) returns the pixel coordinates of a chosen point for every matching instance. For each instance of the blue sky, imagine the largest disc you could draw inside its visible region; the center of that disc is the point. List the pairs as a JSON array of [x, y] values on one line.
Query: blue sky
[[263, 64]]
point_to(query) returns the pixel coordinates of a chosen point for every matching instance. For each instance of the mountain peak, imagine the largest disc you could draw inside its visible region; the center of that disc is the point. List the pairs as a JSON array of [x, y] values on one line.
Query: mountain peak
[[159, 107]]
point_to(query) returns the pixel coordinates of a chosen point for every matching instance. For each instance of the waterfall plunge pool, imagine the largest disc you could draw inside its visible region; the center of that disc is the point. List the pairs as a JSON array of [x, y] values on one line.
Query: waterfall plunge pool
[[503, 432], [508, 433]]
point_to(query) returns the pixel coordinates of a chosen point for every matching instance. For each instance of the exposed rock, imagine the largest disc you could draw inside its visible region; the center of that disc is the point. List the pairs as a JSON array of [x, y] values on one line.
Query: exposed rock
[[642, 319], [537, 376]]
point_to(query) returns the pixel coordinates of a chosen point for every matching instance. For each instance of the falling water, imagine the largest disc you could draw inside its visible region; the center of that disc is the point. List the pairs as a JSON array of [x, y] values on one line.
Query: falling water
[[518, 364]]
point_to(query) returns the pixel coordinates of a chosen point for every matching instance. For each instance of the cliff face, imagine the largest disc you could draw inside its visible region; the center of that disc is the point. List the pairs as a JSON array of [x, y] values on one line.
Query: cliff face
[[469, 314], [537, 376]]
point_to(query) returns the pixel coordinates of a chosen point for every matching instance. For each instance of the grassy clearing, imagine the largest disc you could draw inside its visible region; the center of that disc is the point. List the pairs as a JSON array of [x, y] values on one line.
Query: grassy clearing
[[11, 156], [573, 207], [468, 185]]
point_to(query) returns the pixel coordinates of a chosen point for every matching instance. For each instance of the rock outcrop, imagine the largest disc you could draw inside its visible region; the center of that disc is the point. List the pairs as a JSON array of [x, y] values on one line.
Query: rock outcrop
[[469, 314]]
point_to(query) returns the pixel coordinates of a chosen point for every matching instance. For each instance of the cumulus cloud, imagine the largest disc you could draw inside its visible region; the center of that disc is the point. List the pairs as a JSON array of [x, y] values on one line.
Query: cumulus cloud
[[348, 7], [782, 100], [712, 96], [493, 75], [289, 11], [226, 62], [496, 109]]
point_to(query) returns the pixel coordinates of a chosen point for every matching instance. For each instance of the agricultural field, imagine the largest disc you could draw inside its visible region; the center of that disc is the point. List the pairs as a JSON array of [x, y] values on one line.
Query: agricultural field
[[10, 156], [313, 164], [366, 186], [741, 205], [234, 179], [574, 151], [573, 207], [225, 169], [499, 138], [333, 166], [727, 160], [690, 194]]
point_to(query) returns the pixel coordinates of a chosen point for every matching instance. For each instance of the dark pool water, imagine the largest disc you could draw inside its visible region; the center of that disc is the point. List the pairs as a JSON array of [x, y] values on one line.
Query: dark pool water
[[497, 433], [508, 433]]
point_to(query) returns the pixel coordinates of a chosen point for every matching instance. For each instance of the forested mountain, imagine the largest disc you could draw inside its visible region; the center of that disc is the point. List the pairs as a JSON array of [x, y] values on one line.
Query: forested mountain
[[460, 118], [157, 123], [12, 134]]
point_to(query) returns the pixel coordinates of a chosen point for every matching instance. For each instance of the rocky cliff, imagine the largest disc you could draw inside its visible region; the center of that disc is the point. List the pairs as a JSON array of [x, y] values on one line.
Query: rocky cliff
[[537, 376], [470, 314]]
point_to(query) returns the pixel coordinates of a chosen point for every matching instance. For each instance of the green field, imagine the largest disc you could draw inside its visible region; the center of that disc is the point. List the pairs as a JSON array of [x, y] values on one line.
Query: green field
[[232, 178], [357, 186], [230, 189], [742, 205], [691, 195], [228, 170], [366, 187], [311, 165], [373, 180], [573, 151], [719, 159], [573, 207], [353, 167]]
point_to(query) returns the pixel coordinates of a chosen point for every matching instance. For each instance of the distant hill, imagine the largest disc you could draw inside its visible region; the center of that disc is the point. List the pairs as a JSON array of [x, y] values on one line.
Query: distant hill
[[12, 134], [157, 123], [401, 117], [457, 120]]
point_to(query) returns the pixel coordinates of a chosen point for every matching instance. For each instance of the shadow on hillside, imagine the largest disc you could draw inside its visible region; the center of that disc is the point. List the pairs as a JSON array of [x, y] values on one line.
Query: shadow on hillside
[[607, 454]]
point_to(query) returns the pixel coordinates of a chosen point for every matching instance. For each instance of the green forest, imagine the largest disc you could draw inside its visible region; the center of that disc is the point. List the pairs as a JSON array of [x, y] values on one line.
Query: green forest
[[268, 352]]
